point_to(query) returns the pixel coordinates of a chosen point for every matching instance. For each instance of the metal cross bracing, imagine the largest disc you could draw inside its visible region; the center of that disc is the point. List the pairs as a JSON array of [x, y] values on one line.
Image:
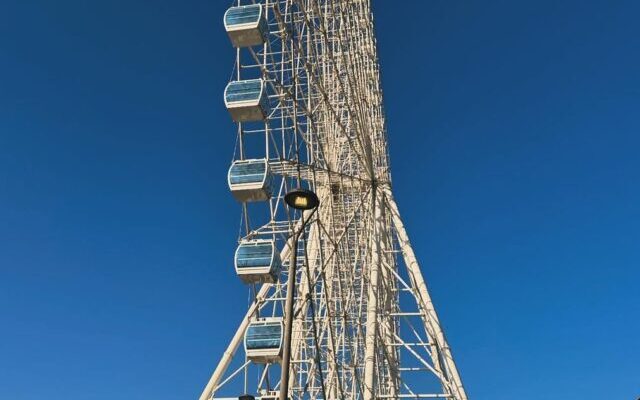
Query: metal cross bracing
[[364, 324]]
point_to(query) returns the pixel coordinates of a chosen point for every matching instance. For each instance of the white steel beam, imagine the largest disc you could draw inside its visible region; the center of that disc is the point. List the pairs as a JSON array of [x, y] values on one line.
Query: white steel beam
[[372, 298], [425, 299]]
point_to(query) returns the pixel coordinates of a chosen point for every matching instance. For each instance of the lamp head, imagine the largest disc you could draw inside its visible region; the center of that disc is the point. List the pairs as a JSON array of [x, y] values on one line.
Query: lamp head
[[302, 199]]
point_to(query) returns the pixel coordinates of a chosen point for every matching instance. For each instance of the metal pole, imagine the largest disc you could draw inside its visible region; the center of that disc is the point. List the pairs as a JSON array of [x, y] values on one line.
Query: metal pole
[[288, 330], [372, 300], [223, 364]]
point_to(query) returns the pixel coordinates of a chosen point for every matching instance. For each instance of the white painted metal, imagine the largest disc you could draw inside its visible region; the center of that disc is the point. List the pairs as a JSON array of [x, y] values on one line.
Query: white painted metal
[[426, 305], [365, 326], [372, 300]]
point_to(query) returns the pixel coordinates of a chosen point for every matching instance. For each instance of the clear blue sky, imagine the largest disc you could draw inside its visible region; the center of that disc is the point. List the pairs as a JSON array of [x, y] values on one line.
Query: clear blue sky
[[515, 126]]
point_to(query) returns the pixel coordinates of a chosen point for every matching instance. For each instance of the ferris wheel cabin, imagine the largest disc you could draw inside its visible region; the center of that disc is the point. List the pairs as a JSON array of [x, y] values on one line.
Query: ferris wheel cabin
[[246, 100], [250, 180], [246, 25], [263, 340], [258, 261]]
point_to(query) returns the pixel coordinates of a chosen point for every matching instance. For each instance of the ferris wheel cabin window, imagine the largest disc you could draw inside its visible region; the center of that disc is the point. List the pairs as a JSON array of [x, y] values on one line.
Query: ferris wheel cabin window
[[258, 261], [250, 180], [246, 100], [246, 25], [263, 340]]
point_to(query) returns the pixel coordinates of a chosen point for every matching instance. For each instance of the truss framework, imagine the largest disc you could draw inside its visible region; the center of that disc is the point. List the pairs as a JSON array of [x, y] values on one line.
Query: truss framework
[[365, 326]]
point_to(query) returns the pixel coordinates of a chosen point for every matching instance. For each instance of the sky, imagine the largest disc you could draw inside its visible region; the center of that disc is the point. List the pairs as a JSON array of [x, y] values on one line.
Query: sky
[[514, 132]]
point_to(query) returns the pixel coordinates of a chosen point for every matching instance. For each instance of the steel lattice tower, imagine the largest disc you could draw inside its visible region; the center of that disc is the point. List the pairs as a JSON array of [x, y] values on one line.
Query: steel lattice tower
[[308, 106]]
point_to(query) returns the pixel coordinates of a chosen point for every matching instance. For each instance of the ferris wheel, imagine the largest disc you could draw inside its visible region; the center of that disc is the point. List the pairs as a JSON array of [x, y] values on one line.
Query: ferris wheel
[[339, 307]]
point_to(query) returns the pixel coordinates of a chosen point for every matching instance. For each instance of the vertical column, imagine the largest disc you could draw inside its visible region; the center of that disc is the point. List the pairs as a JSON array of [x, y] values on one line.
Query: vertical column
[[372, 299]]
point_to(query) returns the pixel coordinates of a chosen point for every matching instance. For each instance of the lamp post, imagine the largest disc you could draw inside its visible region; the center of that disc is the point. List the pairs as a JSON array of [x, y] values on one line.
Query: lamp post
[[303, 200]]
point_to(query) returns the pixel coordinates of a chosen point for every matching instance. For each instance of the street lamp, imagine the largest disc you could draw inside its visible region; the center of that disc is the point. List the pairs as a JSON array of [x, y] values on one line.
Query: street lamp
[[303, 200]]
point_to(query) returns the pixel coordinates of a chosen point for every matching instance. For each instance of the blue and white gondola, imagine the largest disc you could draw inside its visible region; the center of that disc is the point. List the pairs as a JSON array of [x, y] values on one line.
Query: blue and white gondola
[[258, 261], [250, 180], [263, 340], [246, 25], [247, 100]]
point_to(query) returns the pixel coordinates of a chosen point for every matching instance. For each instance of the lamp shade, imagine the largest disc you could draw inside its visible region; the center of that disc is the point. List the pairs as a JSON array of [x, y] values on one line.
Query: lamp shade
[[302, 199]]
